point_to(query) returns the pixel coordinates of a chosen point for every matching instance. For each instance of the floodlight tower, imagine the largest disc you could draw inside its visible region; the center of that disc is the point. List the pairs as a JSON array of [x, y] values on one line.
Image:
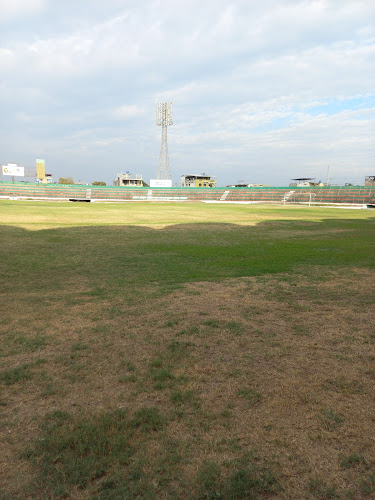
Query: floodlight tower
[[163, 119]]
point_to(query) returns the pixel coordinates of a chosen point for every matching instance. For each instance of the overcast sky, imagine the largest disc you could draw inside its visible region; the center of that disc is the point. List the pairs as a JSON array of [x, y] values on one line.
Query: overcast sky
[[262, 91]]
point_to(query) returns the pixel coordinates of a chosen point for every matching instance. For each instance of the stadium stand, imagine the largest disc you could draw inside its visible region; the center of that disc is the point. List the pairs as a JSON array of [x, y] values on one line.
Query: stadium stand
[[359, 195]]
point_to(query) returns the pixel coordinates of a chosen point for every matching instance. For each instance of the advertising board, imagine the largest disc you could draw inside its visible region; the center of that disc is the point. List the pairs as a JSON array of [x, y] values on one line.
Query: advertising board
[[165, 183], [13, 169]]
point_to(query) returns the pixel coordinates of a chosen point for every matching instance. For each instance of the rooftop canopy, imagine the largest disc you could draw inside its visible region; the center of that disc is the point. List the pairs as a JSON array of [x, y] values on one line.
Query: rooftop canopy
[[304, 179]]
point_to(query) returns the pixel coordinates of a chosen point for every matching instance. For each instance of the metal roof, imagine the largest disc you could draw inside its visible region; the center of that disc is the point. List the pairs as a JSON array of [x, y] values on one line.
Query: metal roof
[[304, 179]]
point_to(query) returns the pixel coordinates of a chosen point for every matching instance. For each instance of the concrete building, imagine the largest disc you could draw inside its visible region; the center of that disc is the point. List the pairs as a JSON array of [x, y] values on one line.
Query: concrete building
[[200, 180], [370, 180], [129, 180]]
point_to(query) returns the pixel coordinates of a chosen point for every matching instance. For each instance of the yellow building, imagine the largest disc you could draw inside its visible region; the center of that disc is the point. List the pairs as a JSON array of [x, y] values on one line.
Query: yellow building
[[41, 176], [202, 180]]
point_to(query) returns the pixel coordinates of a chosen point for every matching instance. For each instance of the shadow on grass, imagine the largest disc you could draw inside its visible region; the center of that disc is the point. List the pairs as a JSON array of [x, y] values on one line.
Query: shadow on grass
[[110, 257]]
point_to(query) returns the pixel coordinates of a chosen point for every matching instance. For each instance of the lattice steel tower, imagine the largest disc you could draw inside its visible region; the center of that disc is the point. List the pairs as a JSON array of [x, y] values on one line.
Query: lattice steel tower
[[164, 118]]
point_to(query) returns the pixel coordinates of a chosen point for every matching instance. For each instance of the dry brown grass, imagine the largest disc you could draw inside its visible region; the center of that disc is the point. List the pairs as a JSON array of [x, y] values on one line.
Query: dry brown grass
[[280, 364]]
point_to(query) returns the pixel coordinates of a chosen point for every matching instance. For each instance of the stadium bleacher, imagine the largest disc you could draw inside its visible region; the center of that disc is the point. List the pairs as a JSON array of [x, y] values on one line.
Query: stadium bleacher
[[285, 195]]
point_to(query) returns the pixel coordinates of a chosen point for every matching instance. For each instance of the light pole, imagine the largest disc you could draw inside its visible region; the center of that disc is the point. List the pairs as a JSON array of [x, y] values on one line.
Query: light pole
[[163, 119]]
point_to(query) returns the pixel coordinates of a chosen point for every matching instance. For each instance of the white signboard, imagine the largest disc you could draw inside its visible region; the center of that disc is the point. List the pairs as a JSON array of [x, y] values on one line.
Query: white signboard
[[13, 169], [161, 183]]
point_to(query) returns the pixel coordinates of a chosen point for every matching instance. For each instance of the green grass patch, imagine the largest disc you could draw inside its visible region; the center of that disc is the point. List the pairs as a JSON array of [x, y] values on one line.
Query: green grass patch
[[248, 481], [319, 489], [185, 397], [270, 240], [251, 396], [353, 460], [15, 375], [19, 374], [78, 451], [330, 420]]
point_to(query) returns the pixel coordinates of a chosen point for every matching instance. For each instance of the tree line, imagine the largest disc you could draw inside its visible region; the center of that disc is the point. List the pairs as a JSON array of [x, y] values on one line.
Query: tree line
[[70, 180]]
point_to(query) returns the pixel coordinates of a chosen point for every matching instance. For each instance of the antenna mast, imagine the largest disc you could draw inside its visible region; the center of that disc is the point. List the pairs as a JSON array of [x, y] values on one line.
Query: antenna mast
[[163, 119]]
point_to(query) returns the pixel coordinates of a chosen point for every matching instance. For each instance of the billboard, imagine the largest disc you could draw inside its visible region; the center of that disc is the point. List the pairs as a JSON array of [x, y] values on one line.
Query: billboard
[[14, 170], [161, 183]]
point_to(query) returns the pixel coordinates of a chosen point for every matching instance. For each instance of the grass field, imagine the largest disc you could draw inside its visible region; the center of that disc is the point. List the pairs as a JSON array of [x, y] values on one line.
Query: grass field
[[167, 351]]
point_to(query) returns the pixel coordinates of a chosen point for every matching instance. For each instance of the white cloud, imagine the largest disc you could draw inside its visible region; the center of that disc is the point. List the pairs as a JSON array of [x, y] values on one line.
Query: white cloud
[[106, 142], [13, 9], [129, 111], [23, 117], [6, 59]]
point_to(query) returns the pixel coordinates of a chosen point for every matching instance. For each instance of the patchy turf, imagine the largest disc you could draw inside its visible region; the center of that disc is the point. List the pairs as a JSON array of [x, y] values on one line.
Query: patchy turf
[[197, 361]]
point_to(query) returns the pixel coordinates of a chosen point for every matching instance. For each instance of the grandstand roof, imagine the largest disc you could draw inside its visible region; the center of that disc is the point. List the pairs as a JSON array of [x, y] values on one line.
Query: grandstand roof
[[304, 179]]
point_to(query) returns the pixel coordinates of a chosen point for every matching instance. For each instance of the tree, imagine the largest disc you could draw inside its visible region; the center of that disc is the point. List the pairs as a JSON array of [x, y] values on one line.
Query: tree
[[66, 180], [99, 183]]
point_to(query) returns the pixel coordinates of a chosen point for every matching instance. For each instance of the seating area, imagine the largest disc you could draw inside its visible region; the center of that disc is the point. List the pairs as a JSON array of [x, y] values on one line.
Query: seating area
[[280, 195], [329, 194], [267, 195], [30, 190]]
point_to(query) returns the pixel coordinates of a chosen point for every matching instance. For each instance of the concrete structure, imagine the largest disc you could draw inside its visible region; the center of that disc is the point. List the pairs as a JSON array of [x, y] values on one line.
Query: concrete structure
[[200, 180], [370, 180], [129, 180]]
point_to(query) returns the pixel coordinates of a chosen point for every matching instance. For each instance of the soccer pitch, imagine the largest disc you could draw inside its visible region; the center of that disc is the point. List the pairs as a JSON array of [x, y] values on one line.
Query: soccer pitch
[[167, 350]]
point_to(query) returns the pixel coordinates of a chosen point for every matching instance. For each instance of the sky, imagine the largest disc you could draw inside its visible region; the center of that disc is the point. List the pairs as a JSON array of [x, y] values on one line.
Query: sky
[[262, 92]]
